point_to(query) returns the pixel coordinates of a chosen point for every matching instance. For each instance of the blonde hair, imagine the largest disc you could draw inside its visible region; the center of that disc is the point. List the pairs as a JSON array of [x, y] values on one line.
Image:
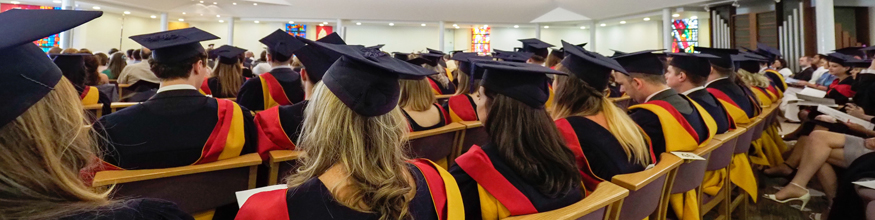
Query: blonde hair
[[574, 97], [465, 85], [753, 79], [369, 149], [41, 153], [416, 94], [441, 77], [230, 78]]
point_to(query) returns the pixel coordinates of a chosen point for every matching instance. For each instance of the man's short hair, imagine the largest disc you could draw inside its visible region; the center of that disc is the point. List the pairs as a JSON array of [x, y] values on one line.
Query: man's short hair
[[649, 78], [176, 70], [136, 55]]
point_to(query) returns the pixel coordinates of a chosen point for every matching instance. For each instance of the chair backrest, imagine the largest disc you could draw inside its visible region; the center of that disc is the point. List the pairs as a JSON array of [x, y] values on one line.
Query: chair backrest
[[194, 188], [281, 163], [722, 156], [760, 124], [647, 189], [97, 109], [596, 206], [745, 139], [691, 173], [475, 133], [435, 144], [115, 106]]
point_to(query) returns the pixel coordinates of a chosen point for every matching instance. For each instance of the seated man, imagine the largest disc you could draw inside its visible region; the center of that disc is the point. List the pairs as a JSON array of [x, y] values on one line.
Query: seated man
[[687, 74], [673, 122], [178, 126], [738, 100], [139, 70], [280, 86]]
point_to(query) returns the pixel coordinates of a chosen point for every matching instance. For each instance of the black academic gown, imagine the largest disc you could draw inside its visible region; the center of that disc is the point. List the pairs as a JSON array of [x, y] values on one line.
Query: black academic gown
[[216, 88], [865, 86], [847, 204], [649, 121], [713, 107], [601, 154], [292, 118], [135, 209], [444, 120], [804, 75], [251, 93], [168, 130], [738, 94]]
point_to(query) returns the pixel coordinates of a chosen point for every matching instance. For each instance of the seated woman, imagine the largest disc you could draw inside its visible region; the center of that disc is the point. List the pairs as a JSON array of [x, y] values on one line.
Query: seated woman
[[461, 106], [73, 68], [228, 74], [526, 167], [419, 106], [117, 63], [42, 127], [605, 140], [353, 135], [440, 83], [841, 90]]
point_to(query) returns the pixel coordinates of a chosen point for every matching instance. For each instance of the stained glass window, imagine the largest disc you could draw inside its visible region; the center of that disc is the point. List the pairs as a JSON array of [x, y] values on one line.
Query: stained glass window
[[685, 35], [299, 30], [45, 43], [480, 39]]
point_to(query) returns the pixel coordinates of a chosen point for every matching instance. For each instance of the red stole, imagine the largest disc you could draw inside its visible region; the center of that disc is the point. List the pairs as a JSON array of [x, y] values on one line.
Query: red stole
[[478, 165], [461, 109], [269, 205], [205, 87], [447, 200], [273, 92], [271, 135], [434, 86]]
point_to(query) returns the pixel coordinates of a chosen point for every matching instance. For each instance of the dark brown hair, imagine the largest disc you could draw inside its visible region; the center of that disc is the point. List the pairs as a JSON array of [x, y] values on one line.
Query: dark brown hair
[[116, 64], [530, 144], [176, 70], [92, 77], [136, 55]]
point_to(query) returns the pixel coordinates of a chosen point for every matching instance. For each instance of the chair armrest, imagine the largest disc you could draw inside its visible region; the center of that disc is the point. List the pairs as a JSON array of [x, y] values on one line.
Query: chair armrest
[[284, 155], [452, 127], [110, 177], [636, 181]]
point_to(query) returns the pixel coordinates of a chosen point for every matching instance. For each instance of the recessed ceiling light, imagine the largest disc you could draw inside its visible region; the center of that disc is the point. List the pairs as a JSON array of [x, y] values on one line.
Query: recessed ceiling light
[[96, 7], [391, 24], [603, 24], [646, 19], [422, 25], [127, 12], [234, 3], [202, 2], [358, 23], [221, 21], [291, 22], [218, 16], [183, 12], [254, 3], [516, 26], [622, 22], [56, 1], [582, 27], [457, 27], [676, 15], [694, 17], [181, 19], [546, 27], [153, 16], [15, 2], [321, 24], [215, 3], [324, 22], [257, 22]]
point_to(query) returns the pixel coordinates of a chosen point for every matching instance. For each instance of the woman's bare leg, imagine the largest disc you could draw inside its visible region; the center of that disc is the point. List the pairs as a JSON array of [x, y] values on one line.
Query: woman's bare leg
[[817, 152], [791, 162]]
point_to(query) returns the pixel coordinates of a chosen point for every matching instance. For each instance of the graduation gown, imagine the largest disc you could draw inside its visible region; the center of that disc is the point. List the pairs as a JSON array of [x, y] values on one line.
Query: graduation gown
[[90, 95], [462, 108], [741, 173], [737, 95], [714, 108], [280, 86], [841, 91], [176, 128], [777, 79], [673, 122], [213, 87], [491, 190], [437, 198], [134, 209], [599, 155], [444, 120], [439, 89], [864, 84], [279, 127]]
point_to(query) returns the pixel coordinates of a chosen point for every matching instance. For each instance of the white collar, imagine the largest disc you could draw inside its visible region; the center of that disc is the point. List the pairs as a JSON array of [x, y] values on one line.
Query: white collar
[[867, 71], [715, 80], [281, 66], [687, 93], [176, 87], [654, 94], [764, 69]]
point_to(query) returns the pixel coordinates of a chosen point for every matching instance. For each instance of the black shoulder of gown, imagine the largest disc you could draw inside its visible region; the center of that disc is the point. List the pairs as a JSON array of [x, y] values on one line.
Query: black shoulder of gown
[[603, 151], [292, 117], [135, 209], [713, 107], [649, 122], [250, 95]]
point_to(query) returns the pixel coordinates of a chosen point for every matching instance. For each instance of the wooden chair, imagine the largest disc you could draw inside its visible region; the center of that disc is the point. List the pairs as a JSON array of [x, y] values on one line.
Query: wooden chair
[[115, 106], [647, 189], [231, 99], [438, 144], [743, 146], [720, 159], [122, 88], [622, 102], [96, 108], [606, 198], [195, 188], [690, 174], [281, 162], [474, 133]]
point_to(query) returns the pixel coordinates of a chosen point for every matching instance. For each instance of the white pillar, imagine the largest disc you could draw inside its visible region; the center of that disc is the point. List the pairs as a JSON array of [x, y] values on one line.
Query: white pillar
[[231, 31], [592, 29], [339, 28], [666, 28], [538, 30], [441, 35], [67, 36], [164, 21], [871, 30], [825, 20]]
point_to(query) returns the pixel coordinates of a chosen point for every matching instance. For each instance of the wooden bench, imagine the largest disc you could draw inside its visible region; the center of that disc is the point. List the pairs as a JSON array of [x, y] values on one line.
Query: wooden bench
[[606, 199], [281, 162], [474, 133], [720, 160], [438, 145], [115, 106]]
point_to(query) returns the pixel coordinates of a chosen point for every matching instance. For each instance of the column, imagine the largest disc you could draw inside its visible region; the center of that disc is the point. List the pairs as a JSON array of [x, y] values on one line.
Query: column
[[164, 21], [871, 21], [666, 28], [538, 30], [231, 31], [441, 35], [825, 22], [592, 29], [67, 36], [339, 28]]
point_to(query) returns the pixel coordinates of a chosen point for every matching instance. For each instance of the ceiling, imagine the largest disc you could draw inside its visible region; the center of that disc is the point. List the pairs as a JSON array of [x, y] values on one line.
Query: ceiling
[[457, 11]]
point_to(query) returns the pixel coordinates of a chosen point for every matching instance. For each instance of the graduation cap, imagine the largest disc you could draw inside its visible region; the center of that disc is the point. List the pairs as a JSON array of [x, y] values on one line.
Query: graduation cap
[[366, 80], [840, 59], [591, 67], [520, 57], [377, 47], [724, 59], [693, 63], [466, 66], [401, 56], [770, 52], [747, 62], [28, 74], [857, 63], [175, 45], [535, 46], [433, 59], [229, 54], [455, 52], [418, 61], [433, 51], [644, 61], [317, 60], [72, 66], [852, 51], [281, 43], [558, 53], [523, 82]]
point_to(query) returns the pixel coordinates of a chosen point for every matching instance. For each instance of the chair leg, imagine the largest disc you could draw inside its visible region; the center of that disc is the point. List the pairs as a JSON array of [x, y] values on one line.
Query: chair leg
[[725, 206], [743, 206]]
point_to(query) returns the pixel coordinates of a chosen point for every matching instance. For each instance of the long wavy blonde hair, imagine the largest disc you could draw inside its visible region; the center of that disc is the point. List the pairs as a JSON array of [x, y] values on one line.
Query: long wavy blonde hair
[[574, 97], [368, 149], [753, 79], [41, 153], [230, 78]]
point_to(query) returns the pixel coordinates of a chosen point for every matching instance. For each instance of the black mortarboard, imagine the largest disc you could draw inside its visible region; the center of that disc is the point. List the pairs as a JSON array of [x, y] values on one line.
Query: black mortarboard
[[747, 62], [520, 57], [693, 63], [401, 56], [852, 51], [724, 59], [523, 82], [229, 54], [418, 61], [435, 51], [72, 66], [28, 74], [317, 60], [535, 46], [175, 45], [377, 47], [591, 67], [433, 58], [281, 43], [839, 58], [856, 63], [770, 53], [617, 53], [366, 80], [455, 52], [466, 66], [644, 61]]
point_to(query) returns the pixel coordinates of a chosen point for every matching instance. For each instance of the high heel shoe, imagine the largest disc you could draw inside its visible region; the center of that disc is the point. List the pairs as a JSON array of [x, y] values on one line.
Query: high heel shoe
[[804, 198]]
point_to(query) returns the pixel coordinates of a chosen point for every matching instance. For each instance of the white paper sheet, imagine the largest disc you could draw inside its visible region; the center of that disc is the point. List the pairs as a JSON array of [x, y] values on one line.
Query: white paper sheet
[[687, 155], [868, 184], [843, 117]]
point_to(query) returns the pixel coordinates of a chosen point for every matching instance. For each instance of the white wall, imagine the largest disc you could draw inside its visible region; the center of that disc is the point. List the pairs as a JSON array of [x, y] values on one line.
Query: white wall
[[112, 31], [506, 38], [704, 32], [573, 35], [397, 38], [629, 37], [462, 39]]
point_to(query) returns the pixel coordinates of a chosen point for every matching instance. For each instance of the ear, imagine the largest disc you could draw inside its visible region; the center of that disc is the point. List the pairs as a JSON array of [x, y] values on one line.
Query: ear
[[304, 76], [269, 59], [682, 76], [638, 83]]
